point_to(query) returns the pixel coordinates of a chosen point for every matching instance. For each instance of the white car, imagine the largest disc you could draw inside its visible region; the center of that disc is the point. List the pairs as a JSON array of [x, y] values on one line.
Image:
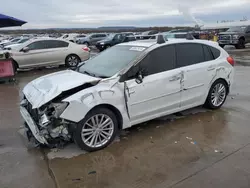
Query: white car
[[42, 52], [125, 85], [72, 37]]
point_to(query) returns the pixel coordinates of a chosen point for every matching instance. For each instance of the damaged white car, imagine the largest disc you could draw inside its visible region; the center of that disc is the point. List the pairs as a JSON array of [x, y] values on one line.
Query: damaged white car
[[127, 84]]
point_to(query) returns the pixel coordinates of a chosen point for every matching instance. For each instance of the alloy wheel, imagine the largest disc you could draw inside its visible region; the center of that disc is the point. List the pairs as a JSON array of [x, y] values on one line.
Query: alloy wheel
[[218, 94]]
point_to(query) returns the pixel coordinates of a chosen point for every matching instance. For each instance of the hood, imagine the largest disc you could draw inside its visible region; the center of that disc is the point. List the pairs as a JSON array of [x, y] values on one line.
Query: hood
[[44, 89], [229, 33]]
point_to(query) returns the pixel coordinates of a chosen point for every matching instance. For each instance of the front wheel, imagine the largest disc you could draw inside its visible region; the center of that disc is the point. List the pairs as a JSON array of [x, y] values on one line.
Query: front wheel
[[217, 95], [241, 44], [97, 130]]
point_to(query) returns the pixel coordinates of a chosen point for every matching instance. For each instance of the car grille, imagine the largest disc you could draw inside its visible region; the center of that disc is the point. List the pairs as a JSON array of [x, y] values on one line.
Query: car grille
[[225, 37], [32, 112]]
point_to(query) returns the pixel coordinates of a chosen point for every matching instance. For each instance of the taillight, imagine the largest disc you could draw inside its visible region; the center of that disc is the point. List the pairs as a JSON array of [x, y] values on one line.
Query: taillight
[[86, 49], [230, 60]]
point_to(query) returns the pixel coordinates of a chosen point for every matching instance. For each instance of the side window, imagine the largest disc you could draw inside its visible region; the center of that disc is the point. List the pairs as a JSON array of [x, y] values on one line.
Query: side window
[[215, 52], [56, 44], [159, 60], [65, 36], [38, 45], [207, 53], [102, 35], [189, 54], [248, 29], [94, 36]]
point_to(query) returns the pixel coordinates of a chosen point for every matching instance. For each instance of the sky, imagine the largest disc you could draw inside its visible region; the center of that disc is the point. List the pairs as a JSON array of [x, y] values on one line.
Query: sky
[[142, 13]]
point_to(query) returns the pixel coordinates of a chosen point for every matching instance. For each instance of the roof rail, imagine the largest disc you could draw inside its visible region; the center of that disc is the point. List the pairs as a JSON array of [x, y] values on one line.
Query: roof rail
[[189, 36], [160, 39]]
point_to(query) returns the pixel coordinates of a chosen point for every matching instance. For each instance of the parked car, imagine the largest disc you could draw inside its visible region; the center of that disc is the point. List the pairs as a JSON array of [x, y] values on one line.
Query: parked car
[[179, 35], [10, 45], [72, 37], [92, 39], [146, 35], [237, 36], [42, 52], [127, 84], [195, 33], [114, 39]]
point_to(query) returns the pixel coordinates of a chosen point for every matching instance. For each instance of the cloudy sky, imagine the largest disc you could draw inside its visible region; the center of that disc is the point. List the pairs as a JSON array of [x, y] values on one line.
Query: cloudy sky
[[96, 13]]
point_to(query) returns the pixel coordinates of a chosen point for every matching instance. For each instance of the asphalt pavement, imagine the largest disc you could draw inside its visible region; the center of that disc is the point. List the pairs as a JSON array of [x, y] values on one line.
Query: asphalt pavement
[[196, 148]]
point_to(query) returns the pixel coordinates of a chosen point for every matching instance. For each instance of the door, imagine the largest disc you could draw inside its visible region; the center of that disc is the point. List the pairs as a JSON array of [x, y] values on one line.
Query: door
[[56, 53], [34, 56], [198, 66], [247, 35], [159, 92], [94, 39]]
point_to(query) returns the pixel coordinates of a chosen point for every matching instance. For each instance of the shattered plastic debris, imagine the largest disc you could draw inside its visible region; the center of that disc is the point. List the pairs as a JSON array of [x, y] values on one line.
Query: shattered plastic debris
[[194, 143], [92, 172], [232, 97], [151, 137], [77, 179], [175, 142], [199, 120], [189, 138], [218, 151]]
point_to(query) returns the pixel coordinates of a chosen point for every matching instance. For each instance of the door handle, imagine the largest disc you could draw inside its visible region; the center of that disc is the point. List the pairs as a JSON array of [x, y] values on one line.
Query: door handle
[[210, 68]]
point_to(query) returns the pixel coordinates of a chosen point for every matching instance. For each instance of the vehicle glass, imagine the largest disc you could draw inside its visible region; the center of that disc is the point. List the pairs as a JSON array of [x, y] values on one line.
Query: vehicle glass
[[80, 36], [94, 36], [37, 45], [181, 36], [189, 54], [207, 53], [15, 40], [237, 29], [159, 60], [56, 44], [111, 61], [65, 36], [215, 52], [111, 36], [169, 36], [118, 37], [23, 40]]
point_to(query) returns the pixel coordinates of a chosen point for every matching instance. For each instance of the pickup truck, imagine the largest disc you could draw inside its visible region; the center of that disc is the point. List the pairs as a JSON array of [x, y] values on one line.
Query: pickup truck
[[237, 36]]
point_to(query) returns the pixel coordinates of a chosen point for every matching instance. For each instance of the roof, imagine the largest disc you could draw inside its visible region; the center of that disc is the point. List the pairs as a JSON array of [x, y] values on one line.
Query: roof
[[151, 42]]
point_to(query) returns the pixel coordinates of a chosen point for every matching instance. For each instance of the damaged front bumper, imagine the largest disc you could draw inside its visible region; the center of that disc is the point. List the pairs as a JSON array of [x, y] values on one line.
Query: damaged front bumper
[[32, 126]]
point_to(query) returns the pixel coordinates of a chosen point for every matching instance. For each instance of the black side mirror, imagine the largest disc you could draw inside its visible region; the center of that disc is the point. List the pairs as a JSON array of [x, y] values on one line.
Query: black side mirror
[[139, 78]]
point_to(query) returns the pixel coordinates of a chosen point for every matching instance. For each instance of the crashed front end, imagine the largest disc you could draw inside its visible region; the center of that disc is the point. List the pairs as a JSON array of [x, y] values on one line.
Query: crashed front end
[[45, 124]]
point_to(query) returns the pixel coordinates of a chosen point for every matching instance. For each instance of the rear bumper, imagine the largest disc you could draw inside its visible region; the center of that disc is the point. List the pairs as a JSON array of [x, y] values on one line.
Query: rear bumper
[[32, 126]]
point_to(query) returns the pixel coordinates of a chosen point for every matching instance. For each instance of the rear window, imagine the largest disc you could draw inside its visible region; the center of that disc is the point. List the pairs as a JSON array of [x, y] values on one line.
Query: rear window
[[215, 52]]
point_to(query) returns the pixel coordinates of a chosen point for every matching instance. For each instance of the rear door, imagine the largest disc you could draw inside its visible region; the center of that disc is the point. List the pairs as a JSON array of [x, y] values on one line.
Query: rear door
[[198, 66], [159, 93]]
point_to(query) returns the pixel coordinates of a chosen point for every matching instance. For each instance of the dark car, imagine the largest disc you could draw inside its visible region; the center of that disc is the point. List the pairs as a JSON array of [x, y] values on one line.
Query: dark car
[[237, 36], [146, 35], [195, 33], [114, 39]]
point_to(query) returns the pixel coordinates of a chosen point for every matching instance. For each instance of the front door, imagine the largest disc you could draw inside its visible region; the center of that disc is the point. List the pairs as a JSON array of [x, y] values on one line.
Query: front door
[[159, 92]]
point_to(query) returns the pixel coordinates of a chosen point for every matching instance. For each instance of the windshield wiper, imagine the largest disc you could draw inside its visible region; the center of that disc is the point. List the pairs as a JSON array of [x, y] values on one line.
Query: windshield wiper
[[88, 73]]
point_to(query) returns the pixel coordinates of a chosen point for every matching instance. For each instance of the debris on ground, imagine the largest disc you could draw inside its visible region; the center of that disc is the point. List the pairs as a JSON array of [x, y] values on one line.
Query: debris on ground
[[157, 127], [136, 157], [55, 150], [92, 172], [125, 138], [151, 137], [175, 142], [199, 120], [189, 138], [194, 143], [232, 97], [77, 179], [218, 151]]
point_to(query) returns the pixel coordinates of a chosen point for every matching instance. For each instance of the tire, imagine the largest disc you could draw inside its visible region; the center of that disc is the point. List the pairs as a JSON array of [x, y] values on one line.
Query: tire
[[212, 99], [86, 43], [222, 45], [72, 60], [107, 46], [86, 142], [241, 44]]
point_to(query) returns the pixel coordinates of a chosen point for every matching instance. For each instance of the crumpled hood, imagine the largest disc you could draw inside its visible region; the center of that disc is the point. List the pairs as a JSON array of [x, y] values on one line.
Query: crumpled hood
[[44, 89]]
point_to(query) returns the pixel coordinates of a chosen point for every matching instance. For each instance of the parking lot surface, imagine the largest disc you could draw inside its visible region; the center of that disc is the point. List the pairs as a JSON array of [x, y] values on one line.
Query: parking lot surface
[[195, 148]]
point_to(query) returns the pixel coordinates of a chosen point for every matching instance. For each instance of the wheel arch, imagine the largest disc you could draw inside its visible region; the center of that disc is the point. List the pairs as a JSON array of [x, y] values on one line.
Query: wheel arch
[[242, 37], [114, 110], [223, 80], [70, 55]]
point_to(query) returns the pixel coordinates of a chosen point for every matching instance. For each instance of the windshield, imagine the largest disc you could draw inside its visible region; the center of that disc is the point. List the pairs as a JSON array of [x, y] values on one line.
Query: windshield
[[111, 36], [111, 61], [15, 40], [23, 40], [237, 29]]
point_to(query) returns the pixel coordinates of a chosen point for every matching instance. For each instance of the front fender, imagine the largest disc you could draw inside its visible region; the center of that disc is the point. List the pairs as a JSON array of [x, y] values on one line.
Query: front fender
[[84, 101]]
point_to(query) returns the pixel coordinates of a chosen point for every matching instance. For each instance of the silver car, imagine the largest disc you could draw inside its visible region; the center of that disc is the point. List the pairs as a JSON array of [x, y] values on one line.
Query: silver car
[[92, 39], [42, 52]]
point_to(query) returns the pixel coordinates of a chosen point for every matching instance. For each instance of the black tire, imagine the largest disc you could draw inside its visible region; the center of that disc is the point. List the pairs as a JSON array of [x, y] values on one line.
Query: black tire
[[15, 66], [209, 104], [241, 44], [77, 135], [86, 43], [222, 45], [69, 61]]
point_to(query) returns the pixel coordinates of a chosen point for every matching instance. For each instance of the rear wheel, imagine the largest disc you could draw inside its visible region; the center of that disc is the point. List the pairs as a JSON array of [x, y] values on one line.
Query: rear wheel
[[72, 60], [241, 44], [97, 130], [217, 95]]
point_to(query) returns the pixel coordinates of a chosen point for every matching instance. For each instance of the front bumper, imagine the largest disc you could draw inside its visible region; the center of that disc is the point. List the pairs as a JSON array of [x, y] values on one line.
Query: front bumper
[[229, 42], [100, 46], [32, 126]]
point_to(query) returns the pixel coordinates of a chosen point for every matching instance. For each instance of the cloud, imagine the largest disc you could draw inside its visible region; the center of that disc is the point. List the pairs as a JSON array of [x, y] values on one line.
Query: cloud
[[94, 13]]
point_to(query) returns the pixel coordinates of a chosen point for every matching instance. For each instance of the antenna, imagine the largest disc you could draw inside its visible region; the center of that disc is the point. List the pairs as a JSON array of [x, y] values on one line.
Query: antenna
[[160, 39]]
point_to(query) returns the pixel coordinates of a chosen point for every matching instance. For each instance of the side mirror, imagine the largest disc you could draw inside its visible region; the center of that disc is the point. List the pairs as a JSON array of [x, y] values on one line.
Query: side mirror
[[139, 78], [25, 49]]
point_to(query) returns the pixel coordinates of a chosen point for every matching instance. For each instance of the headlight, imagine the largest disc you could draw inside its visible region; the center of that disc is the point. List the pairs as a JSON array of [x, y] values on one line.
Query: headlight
[[102, 43], [235, 36]]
